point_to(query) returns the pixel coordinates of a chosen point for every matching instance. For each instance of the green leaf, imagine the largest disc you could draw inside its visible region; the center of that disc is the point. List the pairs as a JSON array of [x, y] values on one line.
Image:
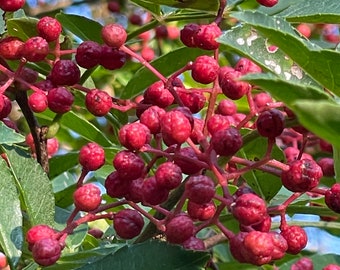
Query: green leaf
[[166, 64], [154, 9], [285, 90], [211, 5], [246, 41], [9, 136], [82, 27], [320, 117], [336, 157], [61, 163], [320, 64], [11, 235], [23, 28], [319, 261], [34, 187], [63, 187], [264, 184], [152, 255], [326, 11]]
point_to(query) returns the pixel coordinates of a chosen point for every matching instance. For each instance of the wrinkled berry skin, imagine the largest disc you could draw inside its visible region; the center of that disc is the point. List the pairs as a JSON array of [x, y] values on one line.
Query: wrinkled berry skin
[[194, 100], [11, 5], [168, 175], [114, 35], [296, 238], [204, 69], [46, 251], [267, 3], [37, 233], [327, 166], [186, 166], [194, 243], [116, 186], [187, 34], [206, 37], [302, 175], [201, 211], [332, 198], [134, 135], [128, 165], [88, 54], [151, 118], [179, 229], [65, 72], [128, 223], [35, 49], [304, 263], [227, 142], [60, 100], [249, 209], [91, 156], [245, 66], [230, 85], [270, 124], [10, 48], [153, 193], [49, 28], [331, 267], [6, 107], [87, 197], [200, 189], [157, 94], [98, 102], [226, 107]]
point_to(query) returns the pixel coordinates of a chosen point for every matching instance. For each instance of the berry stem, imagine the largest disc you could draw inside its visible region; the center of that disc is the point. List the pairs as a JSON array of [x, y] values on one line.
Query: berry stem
[[229, 234], [219, 17]]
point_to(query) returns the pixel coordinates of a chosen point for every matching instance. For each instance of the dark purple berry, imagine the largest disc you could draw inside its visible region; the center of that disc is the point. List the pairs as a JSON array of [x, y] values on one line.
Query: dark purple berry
[[65, 72], [128, 165], [111, 58], [270, 123], [168, 175], [179, 229], [88, 54], [60, 100], [227, 142], [200, 189], [128, 223]]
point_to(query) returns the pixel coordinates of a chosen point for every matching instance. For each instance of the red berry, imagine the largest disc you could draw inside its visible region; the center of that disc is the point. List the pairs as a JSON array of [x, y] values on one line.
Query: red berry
[[292, 154], [112, 58], [147, 53], [280, 245], [187, 34], [96, 233], [6, 108], [128, 223], [186, 164], [136, 19], [38, 102], [227, 142], [194, 243], [268, 3], [230, 85], [226, 107], [264, 225], [173, 32], [262, 99], [87, 197], [327, 166], [197, 132], [179, 229], [302, 175], [151, 118], [116, 186], [52, 146], [206, 37], [161, 32], [65, 72], [134, 135], [113, 6], [29, 75], [46, 251], [332, 198], [114, 35], [35, 49], [249, 209], [304, 29], [11, 5], [60, 100], [200, 189], [88, 54], [153, 193], [10, 48], [326, 146], [204, 69], [175, 127], [296, 238], [217, 122], [201, 211], [193, 99], [331, 267], [98, 102], [91, 156], [304, 263], [245, 66], [128, 165], [270, 123], [37, 233], [49, 28], [168, 175], [157, 94], [3, 260]]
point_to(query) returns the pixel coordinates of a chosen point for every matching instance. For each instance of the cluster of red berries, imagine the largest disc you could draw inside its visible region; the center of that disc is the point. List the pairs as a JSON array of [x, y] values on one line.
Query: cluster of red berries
[[183, 146]]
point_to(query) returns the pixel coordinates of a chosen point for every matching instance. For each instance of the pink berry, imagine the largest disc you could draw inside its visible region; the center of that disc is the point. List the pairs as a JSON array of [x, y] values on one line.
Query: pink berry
[[87, 197], [268, 3], [304, 29], [114, 35], [91, 156], [270, 123], [201, 211], [327, 166], [200, 189], [230, 85], [38, 102], [175, 127], [52, 146], [206, 37], [60, 100], [128, 165], [262, 99], [296, 238], [326, 146], [134, 136], [11, 5], [49, 28], [245, 66], [35, 49], [193, 99], [226, 107], [187, 34], [88, 54], [10, 48], [128, 223], [147, 53], [151, 118], [249, 209], [197, 132], [194, 243], [65, 72], [292, 154], [217, 122], [37, 233], [264, 225], [153, 193], [204, 69], [332, 198], [302, 175], [179, 229], [3, 261], [226, 142], [116, 186], [157, 94], [168, 175], [98, 102], [6, 107], [304, 263], [280, 245], [112, 58], [331, 267], [46, 251]]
